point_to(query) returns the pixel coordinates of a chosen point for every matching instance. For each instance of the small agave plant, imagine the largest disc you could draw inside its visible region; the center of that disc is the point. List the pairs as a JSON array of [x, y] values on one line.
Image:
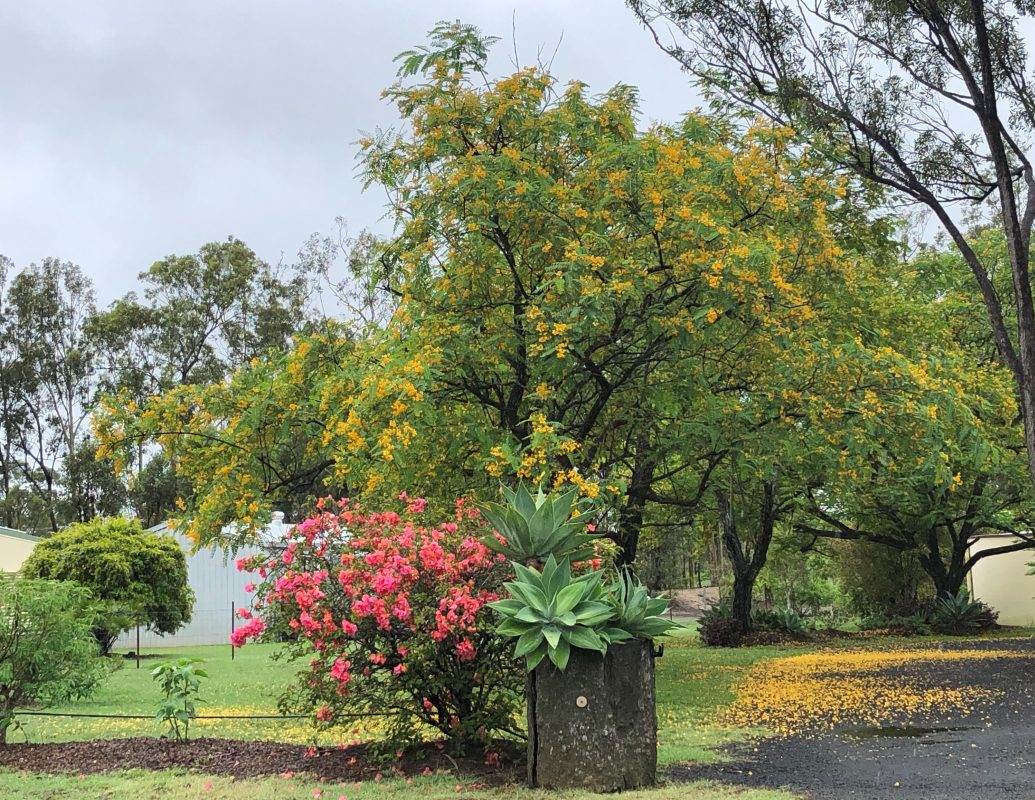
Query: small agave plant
[[636, 613], [549, 612], [535, 527]]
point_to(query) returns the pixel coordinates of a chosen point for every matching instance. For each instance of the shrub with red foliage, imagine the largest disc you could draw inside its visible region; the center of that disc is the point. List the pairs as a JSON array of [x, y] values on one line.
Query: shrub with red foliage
[[390, 608]]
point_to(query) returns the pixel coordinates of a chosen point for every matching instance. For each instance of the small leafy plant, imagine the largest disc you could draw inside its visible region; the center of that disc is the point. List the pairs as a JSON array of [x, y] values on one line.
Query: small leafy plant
[[718, 628], [781, 620], [180, 682], [910, 624], [534, 528], [636, 613]]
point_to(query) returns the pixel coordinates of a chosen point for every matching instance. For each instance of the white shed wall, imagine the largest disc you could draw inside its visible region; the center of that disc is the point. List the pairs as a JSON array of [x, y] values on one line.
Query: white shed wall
[[218, 589]]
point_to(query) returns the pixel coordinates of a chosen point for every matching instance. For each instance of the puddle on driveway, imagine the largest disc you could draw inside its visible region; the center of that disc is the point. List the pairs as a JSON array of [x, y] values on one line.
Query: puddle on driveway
[[902, 731]]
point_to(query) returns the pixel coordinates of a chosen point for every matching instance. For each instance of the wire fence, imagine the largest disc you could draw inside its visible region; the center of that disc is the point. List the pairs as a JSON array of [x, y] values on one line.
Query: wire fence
[[88, 715], [207, 626]]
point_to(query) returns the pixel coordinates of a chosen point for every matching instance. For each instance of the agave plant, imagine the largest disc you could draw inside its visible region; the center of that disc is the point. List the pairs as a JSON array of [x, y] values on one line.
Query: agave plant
[[959, 614], [535, 528], [636, 613], [550, 612]]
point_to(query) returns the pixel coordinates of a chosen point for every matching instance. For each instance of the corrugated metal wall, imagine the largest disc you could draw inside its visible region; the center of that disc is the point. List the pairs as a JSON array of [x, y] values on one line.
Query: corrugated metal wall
[[218, 588]]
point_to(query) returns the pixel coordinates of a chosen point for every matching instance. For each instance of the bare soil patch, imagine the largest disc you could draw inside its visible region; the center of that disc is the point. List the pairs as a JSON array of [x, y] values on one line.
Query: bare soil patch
[[246, 759]]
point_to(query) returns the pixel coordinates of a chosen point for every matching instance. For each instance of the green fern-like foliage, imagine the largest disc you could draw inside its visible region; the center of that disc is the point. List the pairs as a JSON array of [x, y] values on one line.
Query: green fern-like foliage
[[452, 45]]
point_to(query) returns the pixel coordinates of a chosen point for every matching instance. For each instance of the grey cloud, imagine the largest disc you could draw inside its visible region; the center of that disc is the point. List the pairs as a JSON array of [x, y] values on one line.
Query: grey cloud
[[130, 130]]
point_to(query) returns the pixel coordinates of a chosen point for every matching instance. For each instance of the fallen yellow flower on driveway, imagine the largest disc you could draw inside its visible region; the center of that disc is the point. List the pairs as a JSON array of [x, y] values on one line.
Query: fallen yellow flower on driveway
[[822, 690]]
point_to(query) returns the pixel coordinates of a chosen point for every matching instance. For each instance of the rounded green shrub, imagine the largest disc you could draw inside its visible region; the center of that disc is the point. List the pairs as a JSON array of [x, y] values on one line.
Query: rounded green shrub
[[137, 577]]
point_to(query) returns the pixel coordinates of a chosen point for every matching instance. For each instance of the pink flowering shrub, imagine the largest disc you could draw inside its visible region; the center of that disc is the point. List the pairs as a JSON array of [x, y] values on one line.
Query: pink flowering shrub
[[391, 611]]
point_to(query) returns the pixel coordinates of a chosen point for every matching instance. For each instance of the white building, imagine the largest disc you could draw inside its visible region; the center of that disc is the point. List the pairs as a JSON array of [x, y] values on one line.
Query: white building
[[15, 547], [218, 591], [1004, 581]]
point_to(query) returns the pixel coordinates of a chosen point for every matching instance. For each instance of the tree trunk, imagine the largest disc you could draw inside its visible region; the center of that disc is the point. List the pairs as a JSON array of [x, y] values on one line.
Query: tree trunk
[[746, 565], [630, 516], [594, 725], [949, 578], [743, 591]]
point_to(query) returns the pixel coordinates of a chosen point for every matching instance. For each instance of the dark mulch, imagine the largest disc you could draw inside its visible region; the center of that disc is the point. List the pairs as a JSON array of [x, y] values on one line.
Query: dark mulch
[[244, 759], [986, 754]]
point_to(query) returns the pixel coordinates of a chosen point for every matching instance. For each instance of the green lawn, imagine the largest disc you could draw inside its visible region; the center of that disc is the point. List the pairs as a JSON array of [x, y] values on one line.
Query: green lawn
[[248, 684], [693, 684], [168, 785]]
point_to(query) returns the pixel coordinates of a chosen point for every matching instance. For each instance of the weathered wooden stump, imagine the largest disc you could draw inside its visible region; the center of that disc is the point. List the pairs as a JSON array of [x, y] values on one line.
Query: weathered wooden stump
[[594, 725]]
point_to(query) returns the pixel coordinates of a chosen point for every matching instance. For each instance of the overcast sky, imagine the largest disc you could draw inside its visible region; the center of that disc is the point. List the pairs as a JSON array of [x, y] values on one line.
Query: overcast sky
[[131, 130]]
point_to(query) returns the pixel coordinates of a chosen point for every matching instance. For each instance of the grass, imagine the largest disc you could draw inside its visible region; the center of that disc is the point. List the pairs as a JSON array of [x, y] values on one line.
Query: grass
[[248, 684], [693, 684], [138, 785]]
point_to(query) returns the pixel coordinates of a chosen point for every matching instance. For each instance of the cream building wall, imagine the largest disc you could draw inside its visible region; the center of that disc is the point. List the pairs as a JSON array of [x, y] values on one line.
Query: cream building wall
[[15, 547], [1003, 581]]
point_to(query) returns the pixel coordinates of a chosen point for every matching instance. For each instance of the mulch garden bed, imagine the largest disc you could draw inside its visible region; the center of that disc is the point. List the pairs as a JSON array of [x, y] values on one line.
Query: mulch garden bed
[[247, 759]]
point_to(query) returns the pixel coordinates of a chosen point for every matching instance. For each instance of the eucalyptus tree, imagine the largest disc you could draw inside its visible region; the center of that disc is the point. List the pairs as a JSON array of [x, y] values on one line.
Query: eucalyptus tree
[[48, 361], [929, 99]]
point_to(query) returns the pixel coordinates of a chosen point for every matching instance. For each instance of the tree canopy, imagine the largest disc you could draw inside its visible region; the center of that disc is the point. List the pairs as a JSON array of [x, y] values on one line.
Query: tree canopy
[[575, 301]]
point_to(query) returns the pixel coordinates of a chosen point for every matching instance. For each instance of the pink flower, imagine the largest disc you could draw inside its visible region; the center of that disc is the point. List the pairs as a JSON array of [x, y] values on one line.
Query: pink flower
[[249, 587], [251, 629], [401, 609], [340, 670]]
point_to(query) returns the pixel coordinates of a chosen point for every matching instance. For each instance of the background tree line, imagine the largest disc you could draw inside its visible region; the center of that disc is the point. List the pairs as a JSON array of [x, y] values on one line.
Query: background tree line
[[196, 319]]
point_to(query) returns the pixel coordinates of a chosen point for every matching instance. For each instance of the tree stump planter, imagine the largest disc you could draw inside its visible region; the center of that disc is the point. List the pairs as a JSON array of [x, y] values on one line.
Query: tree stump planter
[[594, 725]]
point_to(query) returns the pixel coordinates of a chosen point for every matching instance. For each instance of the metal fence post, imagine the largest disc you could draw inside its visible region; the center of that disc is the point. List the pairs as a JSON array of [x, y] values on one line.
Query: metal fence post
[[233, 622], [138, 645]]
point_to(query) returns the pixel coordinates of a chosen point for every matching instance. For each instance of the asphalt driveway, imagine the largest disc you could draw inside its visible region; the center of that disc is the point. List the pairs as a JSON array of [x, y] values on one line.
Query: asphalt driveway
[[985, 753]]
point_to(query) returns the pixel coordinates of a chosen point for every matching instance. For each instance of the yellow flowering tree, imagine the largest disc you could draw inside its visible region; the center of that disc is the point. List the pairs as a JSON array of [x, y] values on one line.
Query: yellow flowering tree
[[574, 301], [926, 455], [591, 296]]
